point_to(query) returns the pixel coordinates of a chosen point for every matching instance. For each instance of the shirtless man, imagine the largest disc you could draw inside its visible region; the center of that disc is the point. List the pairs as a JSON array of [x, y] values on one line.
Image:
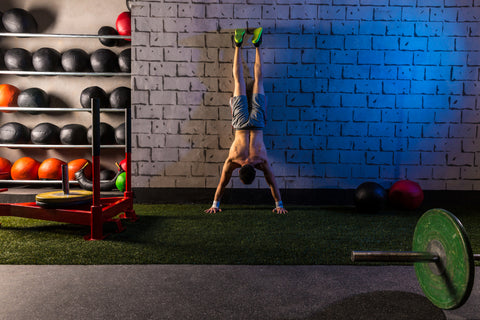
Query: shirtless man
[[248, 151]]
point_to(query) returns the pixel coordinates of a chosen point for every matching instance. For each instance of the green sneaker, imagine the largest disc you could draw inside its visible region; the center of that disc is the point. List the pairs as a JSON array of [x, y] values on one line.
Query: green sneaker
[[257, 37], [238, 38]]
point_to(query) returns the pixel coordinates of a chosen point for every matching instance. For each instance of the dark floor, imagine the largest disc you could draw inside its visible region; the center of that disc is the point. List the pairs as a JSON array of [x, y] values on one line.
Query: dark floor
[[219, 292]]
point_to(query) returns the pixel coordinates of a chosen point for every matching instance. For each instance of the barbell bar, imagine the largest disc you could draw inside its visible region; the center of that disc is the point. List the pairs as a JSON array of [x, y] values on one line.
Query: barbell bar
[[442, 257]]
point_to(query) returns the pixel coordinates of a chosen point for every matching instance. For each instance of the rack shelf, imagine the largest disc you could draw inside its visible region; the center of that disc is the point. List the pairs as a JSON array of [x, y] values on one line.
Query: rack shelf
[[58, 146], [60, 35], [52, 73], [59, 109]]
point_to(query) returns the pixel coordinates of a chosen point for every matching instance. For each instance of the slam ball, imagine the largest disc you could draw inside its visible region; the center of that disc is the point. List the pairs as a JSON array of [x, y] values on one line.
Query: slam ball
[[50, 169], [14, 132], [93, 92], [120, 134], [370, 197], [75, 60], [108, 31], [25, 168], [8, 96], [45, 133], [33, 98], [120, 98], [46, 60], [104, 60], [406, 194], [123, 24], [17, 20], [5, 166], [74, 134], [18, 59], [107, 134], [125, 60]]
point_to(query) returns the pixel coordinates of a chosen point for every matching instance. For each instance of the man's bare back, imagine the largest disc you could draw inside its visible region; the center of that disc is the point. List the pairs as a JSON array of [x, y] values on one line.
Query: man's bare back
[[248, 148]]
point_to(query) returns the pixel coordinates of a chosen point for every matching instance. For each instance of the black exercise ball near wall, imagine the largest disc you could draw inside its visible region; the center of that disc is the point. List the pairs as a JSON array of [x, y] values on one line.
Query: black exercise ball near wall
[[107, 134], [93, 92], [18, 20], [104, 60], [46, 60], [33, 98], [120, 98], [74, 134], [18, 59], [125, 60], [45, 133], [75, 60], [14, 132]]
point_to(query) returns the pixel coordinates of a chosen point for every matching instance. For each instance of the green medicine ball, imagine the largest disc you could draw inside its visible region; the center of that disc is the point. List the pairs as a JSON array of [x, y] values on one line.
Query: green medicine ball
[[121, 181]]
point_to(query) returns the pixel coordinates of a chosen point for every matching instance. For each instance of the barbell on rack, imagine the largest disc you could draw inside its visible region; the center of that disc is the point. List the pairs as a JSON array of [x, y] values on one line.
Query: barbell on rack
[[442, 257]]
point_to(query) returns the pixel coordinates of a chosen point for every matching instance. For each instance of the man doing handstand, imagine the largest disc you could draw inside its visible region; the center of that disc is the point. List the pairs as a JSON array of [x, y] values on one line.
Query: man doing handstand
[[248, 150]]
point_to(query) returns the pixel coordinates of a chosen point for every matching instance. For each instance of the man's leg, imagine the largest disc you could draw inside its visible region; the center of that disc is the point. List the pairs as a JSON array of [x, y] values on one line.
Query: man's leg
[[239, 103], [239, 82], [258, 73]]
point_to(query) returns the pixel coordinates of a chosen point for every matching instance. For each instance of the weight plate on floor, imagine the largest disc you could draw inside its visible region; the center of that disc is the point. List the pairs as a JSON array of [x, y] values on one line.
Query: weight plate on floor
[[59, 198], [448, 282]]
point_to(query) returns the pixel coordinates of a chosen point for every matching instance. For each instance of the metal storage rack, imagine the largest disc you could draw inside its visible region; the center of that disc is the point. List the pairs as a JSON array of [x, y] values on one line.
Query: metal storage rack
[[102, 210]]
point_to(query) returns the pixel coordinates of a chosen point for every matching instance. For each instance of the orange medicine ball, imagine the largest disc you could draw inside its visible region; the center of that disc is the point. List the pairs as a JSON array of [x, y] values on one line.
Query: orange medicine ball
[[51, 169], [8, 96], [75, 165], [5, 166], [25, 168]]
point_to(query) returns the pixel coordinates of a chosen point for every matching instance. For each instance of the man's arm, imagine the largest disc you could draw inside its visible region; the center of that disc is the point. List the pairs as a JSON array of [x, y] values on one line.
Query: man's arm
[[227, 171], [270, 178]]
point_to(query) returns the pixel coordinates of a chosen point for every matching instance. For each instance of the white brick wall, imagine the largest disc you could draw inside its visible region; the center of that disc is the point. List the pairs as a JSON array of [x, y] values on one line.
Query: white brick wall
[[358, 90]]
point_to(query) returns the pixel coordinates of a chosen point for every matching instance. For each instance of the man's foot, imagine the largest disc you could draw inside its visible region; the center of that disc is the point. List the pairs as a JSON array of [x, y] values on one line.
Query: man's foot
[[257, 37], [238, 37]]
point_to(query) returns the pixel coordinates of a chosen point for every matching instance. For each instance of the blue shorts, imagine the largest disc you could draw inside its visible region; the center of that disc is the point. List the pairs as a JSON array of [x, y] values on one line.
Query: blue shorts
[[248, 117]]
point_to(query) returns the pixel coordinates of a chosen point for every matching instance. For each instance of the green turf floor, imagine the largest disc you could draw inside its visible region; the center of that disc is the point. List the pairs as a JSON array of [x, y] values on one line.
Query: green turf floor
[[183, 234]]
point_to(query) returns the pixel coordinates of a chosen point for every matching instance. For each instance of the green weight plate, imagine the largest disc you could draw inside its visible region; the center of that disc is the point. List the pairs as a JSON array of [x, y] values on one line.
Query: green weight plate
[[448, 283]]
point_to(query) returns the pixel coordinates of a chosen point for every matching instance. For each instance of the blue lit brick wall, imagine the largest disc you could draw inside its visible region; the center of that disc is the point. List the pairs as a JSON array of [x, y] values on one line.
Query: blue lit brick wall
[[358, 90]]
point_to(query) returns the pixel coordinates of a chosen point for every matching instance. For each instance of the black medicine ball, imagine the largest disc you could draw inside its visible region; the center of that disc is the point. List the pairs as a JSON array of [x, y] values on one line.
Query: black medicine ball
[[108, 31], [120, 134], [120, 98], [104, 60], [74, 134], [33, 98], [370, 197], [107, 134], [14, 132], [46, 59], [91, 93], [75, 60], [125, 60], [19, 21], [45, 133], [18, 59]]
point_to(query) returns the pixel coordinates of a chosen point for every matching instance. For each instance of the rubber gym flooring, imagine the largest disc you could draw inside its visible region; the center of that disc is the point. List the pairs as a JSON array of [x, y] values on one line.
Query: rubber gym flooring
[[219, 292]]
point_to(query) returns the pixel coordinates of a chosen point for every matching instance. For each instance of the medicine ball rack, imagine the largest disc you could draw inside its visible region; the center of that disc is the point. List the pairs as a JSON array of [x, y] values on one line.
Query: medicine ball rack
[[102, 210]]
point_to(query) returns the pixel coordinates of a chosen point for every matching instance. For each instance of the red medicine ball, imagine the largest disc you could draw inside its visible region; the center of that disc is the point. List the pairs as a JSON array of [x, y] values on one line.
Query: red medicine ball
[[123, 24], [406, 194], [25, 168], [50, 169], [5, 167]]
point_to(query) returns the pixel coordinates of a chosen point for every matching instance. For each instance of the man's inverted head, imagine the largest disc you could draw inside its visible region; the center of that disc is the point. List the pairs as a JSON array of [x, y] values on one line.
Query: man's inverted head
[[247, 174]]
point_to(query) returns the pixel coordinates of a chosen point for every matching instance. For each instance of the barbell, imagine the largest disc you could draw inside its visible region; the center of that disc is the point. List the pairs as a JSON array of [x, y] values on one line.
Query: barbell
[[442, 256]]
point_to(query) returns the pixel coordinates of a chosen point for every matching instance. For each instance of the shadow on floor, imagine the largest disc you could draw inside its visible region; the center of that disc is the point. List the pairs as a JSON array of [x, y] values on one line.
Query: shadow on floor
[[391, 305]]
